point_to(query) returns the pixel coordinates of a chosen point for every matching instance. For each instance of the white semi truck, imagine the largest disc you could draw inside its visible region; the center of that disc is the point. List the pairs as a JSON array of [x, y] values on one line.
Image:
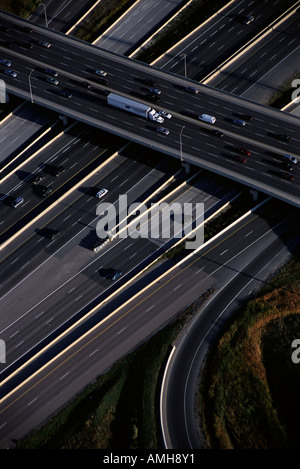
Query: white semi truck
[[129, 105]]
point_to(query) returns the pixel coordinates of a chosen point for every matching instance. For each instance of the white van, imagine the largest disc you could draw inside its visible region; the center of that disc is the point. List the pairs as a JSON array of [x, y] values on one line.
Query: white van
[[207, 118]]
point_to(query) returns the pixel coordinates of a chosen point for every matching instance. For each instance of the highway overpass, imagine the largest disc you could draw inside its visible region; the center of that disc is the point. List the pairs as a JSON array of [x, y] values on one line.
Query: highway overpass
[[189, 139]]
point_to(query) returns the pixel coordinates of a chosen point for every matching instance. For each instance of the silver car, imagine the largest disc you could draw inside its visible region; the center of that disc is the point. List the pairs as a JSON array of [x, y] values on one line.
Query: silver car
[[52, 80], [101, 73], [162, 130]]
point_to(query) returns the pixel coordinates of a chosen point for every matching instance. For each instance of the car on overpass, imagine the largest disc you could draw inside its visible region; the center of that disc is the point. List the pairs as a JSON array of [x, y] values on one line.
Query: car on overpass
[[52, 73], [284, 138], [239, 122], [218, 133], [52, 80], [102, 73], [155, 91], [66, 94], [290, 158], [244, 151], [153, 97], [5, 62], [44, 44], [192, 89], [102, 81], [10, 73], [150, 82], [288, 176], [165, 114], [240, 158], [162, 130]]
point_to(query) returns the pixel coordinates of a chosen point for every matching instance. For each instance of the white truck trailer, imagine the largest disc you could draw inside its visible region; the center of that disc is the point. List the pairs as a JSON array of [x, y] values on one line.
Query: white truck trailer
[[129, 105]]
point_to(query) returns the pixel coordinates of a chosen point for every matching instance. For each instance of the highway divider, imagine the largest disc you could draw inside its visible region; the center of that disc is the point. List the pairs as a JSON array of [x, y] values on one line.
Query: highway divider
[[36, 140], [269, 29], [83, 16], [104, 302], [117, 21], [181, 40], [11, 113]]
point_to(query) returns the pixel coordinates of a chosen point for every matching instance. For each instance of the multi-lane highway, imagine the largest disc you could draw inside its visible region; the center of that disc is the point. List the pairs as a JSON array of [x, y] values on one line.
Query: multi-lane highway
[[52, 303], [129, 30], [112, 338], [65, 278], [249, 71], [263, 242], [127, 77], [220, 37]]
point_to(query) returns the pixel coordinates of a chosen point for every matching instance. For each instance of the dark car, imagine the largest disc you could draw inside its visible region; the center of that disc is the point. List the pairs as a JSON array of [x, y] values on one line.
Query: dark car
[[65, 94], [288, 176], [244, 151], [86, 84], [287, 166], [284, 138], [26, 29], [248, 19], [51, 72], [35, 178], [218, 133], [4, 28], [240, 158], [150, 82], [239, 122], [153, 97], [28, 45], [155, 91], [55, 170], [43, 191], [247, 117], [102, 81]]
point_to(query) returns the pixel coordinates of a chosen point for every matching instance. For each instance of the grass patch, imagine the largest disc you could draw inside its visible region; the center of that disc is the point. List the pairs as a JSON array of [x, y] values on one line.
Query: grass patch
[[189, 19], [248, 392], [21, 8], [103, 16], [283, 95]]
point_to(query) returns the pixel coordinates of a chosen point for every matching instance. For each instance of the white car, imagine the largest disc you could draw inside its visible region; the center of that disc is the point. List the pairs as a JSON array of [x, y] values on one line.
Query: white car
[[101, 73], [10, 72], [101, 193], [5, 62], [165, 114], [290, 158]]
